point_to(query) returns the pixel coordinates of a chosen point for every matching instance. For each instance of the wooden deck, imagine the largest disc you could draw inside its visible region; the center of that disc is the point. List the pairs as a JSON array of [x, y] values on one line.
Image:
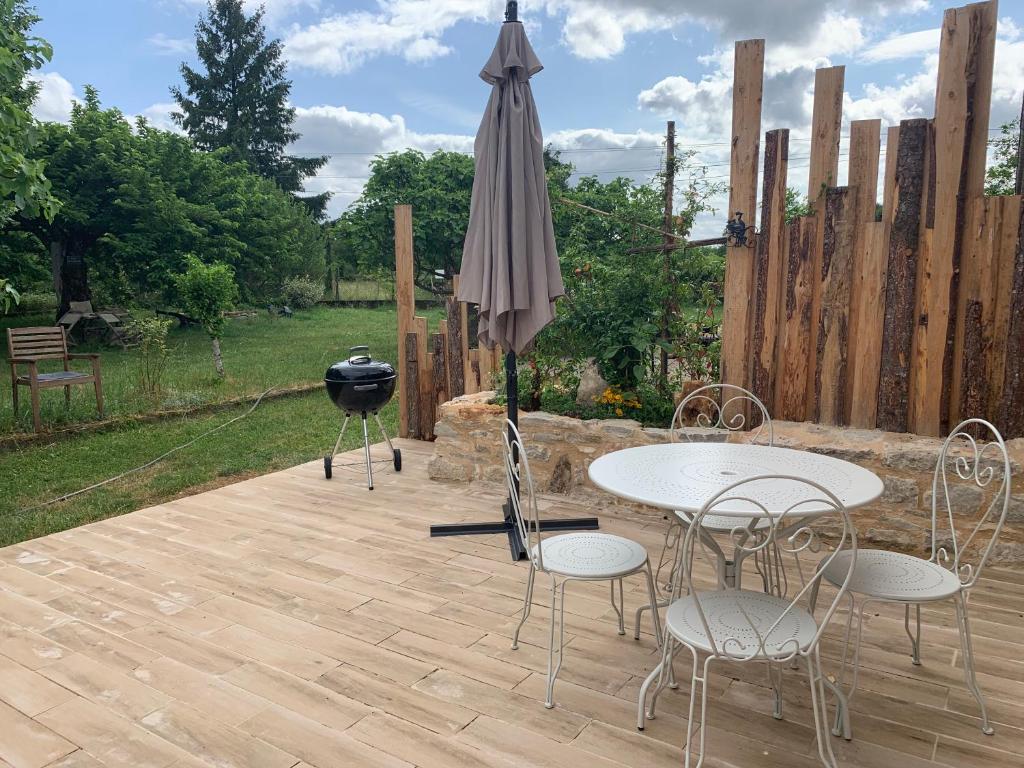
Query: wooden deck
[[290, 621]]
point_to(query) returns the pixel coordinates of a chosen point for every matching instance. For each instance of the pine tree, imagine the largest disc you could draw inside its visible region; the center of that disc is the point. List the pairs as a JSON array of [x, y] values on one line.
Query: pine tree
[[241, 102]]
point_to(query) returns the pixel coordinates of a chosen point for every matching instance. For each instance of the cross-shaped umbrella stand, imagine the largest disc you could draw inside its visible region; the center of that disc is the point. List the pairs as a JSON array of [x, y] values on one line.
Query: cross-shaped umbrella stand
[[510, 220]]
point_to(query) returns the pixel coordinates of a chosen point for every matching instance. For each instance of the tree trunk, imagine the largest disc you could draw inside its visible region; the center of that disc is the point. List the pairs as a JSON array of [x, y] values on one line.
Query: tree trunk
[[70, 272], [218, 362]]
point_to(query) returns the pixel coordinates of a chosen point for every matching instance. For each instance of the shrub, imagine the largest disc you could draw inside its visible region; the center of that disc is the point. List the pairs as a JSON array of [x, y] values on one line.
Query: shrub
[[152, 333], [301, 292], [206, 291]]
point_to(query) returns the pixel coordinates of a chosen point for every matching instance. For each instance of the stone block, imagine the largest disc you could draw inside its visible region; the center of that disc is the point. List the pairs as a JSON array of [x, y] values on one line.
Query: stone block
[[964, 499], [899, 490], [440, 468], [1016, 510]]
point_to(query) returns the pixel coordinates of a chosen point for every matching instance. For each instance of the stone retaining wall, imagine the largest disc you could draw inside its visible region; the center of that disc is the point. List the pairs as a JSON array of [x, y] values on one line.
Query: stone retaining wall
[[468, 448]]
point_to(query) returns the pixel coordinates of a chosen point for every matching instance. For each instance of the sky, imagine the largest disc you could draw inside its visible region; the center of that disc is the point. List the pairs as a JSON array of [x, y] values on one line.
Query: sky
[[372, 76]]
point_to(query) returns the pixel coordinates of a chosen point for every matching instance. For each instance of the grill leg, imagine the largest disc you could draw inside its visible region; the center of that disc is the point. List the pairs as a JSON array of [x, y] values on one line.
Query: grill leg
[[337, 443], [387, 439], [366, 446]]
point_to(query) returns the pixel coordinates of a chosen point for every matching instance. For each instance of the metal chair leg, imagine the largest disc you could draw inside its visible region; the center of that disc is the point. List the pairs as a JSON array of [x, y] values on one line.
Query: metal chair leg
[[621, 607], [652, 592], [695, 682], [557, 612], [527, 602], [967, 648], [775, 682], [815, 678], [915, 637]]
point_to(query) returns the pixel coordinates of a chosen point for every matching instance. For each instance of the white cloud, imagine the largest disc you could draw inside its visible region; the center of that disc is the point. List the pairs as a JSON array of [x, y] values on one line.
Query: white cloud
[[905, 46], [591, 29], [351, 139], [276, 10], [171, 46], [55, 99], [159, 116], [408, 28]]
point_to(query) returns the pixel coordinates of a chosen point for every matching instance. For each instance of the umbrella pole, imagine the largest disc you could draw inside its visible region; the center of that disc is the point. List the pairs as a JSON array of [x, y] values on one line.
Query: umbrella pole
[[515, 541]]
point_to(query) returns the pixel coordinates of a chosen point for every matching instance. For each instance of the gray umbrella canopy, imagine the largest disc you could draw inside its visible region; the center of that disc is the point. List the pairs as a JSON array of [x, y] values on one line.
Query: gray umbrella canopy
[[509, 262]]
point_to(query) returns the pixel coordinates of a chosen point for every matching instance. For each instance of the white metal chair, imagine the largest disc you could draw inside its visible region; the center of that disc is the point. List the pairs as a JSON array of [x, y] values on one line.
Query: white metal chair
[[956, 560], [718, 406], [738, 625], [585, 556]]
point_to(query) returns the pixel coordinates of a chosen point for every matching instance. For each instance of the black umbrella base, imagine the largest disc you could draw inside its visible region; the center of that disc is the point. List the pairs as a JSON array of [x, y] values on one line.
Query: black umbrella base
[[509, 528]]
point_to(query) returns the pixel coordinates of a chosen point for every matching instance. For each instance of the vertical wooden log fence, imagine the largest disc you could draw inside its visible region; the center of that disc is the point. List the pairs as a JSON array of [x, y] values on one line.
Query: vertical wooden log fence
[[795, 320], [826, 120], [406, 301], [831, 374], [900, 287], [748, 84], [768, 266]]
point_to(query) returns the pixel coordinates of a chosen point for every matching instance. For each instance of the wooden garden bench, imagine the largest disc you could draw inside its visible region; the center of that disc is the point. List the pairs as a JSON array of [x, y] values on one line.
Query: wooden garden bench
[[28, 346]]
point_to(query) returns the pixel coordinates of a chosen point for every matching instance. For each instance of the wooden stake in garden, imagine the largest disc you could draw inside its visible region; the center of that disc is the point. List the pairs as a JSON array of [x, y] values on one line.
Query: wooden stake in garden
[[668, 240]]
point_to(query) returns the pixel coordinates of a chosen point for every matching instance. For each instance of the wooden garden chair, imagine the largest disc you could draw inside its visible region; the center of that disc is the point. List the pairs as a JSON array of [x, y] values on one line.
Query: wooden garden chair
[[29, 346]]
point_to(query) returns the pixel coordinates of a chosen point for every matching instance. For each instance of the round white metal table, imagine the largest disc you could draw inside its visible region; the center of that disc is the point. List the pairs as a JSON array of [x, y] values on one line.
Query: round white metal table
[[683, 476]]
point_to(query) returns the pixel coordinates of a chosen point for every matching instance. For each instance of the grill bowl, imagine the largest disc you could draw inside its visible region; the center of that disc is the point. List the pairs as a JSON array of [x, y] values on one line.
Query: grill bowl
[[360, 383]]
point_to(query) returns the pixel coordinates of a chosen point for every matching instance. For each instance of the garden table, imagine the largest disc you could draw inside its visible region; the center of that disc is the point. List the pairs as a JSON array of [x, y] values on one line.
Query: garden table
[[682, 477]]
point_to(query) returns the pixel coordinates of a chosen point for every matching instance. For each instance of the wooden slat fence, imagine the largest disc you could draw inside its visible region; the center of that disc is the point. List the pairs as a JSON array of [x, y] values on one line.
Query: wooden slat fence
[[905, 321], [432, 367]]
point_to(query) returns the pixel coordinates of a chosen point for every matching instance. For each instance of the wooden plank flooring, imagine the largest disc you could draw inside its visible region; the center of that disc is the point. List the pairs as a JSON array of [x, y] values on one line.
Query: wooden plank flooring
[[287, 621]]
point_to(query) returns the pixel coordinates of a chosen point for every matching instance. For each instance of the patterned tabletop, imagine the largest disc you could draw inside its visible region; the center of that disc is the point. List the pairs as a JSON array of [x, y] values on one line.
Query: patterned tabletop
[[683, 476]]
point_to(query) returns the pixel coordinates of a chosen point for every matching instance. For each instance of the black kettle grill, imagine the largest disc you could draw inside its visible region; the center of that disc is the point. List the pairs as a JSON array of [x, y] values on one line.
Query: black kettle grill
[[364, 385]]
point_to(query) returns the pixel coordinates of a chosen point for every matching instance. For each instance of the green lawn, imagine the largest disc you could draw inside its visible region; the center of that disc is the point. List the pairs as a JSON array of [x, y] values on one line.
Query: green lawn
[[278, 434], [258, 353]]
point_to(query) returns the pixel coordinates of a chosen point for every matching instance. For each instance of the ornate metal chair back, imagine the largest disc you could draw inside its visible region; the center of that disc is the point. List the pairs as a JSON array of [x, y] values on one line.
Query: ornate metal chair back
[[818, 519], [972, 474], [723, 406], [521, 492]]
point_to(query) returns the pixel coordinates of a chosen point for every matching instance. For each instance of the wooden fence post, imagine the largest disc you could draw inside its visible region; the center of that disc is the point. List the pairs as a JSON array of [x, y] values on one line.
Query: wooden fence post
[[1011, 405], [439, 375], [832, 376], [768, 267], [865, 138], [795, 320], [406, 299], [410, 384], [823, 173], [485, 363], [866, 346], [455, 361], [901, 280], [748, 83], [426, 379], [963, 94]]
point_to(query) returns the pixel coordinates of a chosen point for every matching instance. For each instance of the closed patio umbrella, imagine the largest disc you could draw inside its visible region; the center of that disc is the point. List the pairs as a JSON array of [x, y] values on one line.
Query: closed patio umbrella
[[509, 261]]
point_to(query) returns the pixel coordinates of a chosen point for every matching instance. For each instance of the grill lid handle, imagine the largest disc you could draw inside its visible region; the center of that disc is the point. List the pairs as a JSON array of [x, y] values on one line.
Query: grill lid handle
[[359, 359]]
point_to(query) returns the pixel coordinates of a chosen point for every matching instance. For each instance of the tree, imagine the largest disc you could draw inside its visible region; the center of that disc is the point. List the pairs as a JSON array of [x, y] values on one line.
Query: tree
[[89, 160], [24, 187], [240, 103], [137, 200], [206, 292], [796, 204], [438, 187], [1001, 177]]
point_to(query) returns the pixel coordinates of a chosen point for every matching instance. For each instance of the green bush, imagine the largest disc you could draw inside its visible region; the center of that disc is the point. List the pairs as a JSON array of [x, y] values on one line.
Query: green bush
[[206, 291], [301, 292], [152, 332]]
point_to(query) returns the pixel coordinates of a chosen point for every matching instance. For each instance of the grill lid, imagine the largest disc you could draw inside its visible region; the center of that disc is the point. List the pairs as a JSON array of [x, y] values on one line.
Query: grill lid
[[360, 367]]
